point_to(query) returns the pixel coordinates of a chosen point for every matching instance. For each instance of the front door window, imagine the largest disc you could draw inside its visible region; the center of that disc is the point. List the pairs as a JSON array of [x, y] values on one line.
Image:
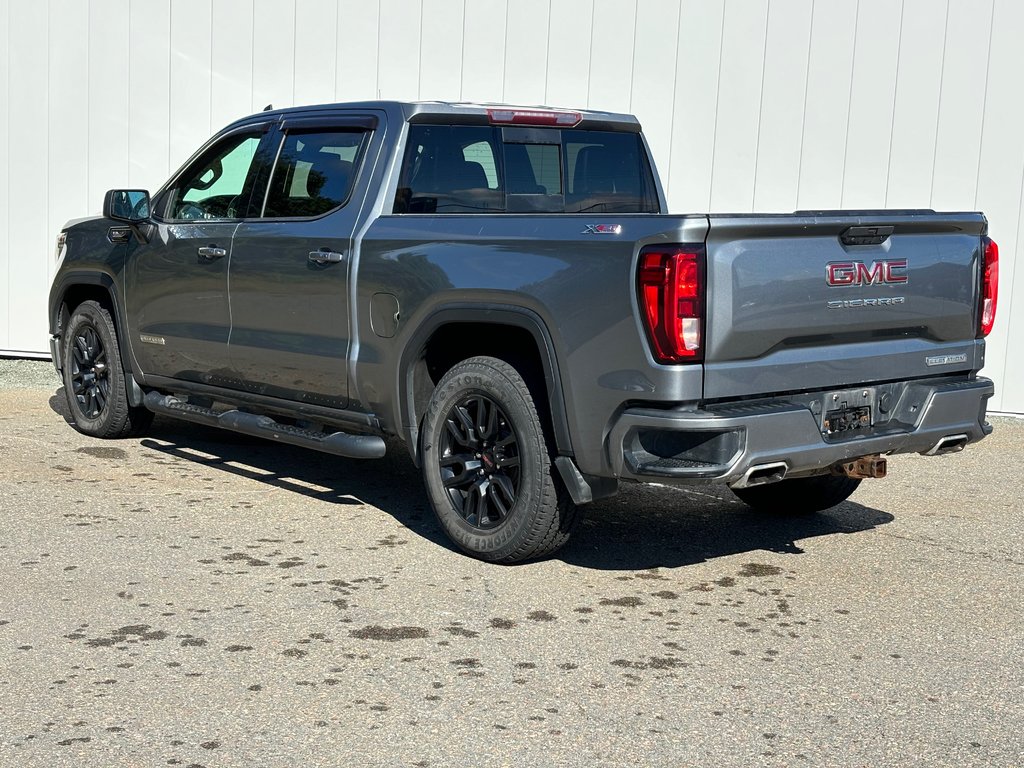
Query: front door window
[[217, 185]]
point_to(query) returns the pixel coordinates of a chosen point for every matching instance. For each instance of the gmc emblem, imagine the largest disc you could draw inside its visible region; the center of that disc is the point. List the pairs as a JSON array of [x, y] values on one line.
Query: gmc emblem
[[859, 273]]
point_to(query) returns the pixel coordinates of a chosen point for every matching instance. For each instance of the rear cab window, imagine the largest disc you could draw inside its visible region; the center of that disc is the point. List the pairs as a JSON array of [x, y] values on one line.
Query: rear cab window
[[471, 169], [607, 172], [451, 169]]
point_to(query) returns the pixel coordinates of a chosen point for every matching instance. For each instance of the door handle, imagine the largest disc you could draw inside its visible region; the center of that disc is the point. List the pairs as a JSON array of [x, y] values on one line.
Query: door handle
[[326, 257], [211, 252]]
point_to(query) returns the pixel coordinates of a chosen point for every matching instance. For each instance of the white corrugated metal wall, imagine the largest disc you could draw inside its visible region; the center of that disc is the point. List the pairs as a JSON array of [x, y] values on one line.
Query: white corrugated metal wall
[[767, 105]]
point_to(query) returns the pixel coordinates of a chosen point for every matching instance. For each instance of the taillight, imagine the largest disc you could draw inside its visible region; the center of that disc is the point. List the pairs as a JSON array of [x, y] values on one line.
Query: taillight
[[545, 117], [989, 286], [671, 291]]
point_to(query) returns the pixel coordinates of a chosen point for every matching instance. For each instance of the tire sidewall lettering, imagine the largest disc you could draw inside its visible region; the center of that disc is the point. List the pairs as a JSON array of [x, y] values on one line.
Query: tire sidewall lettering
[[508, 538]]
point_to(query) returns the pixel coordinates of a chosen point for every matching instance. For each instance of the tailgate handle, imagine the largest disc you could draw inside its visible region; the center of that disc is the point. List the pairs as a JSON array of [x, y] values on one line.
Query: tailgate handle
[[865, 235]]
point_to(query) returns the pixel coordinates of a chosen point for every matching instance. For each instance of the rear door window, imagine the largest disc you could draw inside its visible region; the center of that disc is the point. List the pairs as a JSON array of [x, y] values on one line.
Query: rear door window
[[314, 172]]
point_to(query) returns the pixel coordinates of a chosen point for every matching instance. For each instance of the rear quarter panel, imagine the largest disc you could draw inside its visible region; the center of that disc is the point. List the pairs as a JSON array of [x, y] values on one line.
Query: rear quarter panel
[[581, 287]]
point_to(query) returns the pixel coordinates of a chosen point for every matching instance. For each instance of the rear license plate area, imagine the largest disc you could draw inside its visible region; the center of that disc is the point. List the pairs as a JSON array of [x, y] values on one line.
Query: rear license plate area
[[847, 412], [843, 420]]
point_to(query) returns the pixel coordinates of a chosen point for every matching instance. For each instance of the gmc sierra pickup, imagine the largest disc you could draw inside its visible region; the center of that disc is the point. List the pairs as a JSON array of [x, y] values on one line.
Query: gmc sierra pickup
[[502, 289]]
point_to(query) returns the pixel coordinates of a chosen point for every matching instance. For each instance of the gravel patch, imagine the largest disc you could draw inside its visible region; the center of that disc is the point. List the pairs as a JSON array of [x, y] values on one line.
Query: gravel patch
[[28, 374]]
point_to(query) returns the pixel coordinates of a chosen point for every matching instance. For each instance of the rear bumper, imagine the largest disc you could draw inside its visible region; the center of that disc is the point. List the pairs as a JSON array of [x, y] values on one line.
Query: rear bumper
[[722, 444]]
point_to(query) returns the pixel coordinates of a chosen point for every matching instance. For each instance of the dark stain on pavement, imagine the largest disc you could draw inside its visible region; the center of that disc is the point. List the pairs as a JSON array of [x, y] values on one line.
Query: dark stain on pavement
[[460, 631], [101, 452], [255, 562], [77, 739], [652, 662], [133, 633], [629, 601], [759, 569], [389, 634]]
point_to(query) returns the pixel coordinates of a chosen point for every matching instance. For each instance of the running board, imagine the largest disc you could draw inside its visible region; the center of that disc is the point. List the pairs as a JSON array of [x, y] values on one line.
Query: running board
[[337, 443]]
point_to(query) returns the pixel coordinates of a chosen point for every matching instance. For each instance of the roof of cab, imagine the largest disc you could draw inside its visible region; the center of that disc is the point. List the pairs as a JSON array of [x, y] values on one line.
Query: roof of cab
[[417, 111]]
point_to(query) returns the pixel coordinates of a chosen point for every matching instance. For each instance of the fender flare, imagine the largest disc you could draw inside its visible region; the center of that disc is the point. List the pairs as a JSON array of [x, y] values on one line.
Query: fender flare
[[494, 314], [106, 282]]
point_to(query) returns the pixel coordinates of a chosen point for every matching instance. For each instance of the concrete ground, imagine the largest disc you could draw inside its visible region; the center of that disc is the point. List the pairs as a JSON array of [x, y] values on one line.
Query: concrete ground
[[197, 598]]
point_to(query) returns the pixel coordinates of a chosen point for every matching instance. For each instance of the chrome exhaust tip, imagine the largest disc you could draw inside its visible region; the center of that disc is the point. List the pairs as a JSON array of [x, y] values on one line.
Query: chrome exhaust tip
[[948, 444], [762, 474]]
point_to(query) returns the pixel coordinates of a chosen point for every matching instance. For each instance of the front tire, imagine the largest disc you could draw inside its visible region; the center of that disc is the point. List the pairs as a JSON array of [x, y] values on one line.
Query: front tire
[[799, 496], [94, 381], [487, 466]]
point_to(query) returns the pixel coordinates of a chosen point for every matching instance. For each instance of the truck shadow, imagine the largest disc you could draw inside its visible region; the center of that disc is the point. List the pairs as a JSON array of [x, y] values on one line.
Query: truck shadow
[[657, 526], [643, 527]]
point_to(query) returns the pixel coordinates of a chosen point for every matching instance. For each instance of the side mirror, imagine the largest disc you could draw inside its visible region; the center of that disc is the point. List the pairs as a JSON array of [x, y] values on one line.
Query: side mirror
[[131, 205]]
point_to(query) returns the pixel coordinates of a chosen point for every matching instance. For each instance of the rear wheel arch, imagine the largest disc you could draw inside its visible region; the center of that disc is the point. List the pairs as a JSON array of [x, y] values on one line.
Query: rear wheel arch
[[453, 334]]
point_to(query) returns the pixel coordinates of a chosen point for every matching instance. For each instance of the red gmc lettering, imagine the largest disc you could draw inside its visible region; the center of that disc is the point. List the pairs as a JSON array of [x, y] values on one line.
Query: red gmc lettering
[[839, 273], [889, 271], [869, 275]]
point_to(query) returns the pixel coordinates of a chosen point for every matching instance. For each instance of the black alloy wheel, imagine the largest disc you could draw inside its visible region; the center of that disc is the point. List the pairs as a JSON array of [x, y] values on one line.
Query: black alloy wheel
[[489, 472], [95, 384], [479, 460], [90, 376]]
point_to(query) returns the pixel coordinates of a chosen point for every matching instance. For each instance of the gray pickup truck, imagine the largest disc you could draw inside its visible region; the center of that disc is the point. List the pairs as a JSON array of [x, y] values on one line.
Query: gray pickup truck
[[502, 289]]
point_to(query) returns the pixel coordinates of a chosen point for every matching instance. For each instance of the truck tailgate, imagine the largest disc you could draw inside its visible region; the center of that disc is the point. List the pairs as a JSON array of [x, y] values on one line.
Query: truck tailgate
[[815, 300]]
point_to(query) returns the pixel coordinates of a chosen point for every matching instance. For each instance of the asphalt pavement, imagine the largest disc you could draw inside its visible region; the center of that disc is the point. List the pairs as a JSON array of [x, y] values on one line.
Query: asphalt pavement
[[199, 598]]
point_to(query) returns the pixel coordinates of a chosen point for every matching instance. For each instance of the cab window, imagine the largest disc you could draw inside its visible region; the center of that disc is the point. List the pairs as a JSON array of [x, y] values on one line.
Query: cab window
[[314, 172], [607, 172], [217, 186], [460, 169], [450, 169]]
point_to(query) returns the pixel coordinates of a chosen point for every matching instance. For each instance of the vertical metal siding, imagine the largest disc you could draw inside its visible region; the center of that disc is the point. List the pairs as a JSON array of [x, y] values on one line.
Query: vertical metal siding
[[1000, 169], [780, 138], [6, 241], [765, 105], [28, 177]]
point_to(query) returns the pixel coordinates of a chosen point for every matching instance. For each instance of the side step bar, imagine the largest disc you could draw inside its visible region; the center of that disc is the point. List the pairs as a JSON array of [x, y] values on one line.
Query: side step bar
[[337, 443]]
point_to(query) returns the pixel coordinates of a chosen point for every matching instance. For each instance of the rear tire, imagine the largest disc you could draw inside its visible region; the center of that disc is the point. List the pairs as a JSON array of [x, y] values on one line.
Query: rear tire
[[487, 466], [94, 381], [799, 496]]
